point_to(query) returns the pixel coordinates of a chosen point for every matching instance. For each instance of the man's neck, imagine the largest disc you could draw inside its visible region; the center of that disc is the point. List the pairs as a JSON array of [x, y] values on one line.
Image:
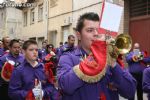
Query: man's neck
[[86, 50], [14, 55], [32, 63]]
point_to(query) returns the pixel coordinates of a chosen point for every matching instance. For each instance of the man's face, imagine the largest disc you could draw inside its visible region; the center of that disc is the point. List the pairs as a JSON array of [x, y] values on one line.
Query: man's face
[[15, 49], [136, 46], [31, 53], [50, 49], [44, 45], [89, 33], [71, 41], [6, 43]]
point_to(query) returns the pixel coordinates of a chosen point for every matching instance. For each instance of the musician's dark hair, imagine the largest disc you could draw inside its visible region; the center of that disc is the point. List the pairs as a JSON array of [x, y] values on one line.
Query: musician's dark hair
[[27, 43], [60, 43], [13, 41], [87, 16], [71, 36]]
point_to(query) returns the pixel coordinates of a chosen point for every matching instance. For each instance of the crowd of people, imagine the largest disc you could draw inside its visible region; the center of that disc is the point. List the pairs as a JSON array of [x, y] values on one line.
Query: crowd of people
[[72, 72]]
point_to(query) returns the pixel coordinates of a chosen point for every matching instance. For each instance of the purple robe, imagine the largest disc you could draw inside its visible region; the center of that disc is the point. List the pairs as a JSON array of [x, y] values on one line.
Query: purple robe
[[18, 60], [146, 81], [22, 81], [136, 67], [74, 88]]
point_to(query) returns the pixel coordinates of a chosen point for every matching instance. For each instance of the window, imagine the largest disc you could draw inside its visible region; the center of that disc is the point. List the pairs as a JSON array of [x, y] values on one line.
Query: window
[[53, 3], [32, 19], [139, 8], [40, 12], [25, 18], [66, 33]]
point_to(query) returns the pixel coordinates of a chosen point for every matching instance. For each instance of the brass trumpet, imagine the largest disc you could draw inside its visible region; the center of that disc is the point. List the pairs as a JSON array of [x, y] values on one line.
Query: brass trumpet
[[119, 46], [122, 43], [138, 55]]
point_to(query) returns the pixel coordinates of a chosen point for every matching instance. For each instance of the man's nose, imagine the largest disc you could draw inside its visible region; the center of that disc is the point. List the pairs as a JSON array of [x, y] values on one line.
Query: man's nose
[[95, 33]]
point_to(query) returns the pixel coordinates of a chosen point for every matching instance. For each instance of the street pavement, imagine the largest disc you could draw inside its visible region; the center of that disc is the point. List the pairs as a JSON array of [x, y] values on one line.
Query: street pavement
[[145, 97]]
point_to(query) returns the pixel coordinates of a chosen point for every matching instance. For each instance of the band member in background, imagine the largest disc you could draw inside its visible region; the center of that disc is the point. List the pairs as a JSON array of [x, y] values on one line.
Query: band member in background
[[69, 46], [5, 48], [146, 79], [50, 59], [58, 50], [42, 52], [137, 63], [29, 80], [83, 73], [7, 63]]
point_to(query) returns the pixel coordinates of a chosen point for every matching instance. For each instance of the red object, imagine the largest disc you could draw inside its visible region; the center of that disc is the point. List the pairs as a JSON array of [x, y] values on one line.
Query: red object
[[120, 60], [139, 30], [103, 4], [48, 71], [104, 31], [7, 71], [48, 56], [30, 96], [145, 54], [96, 62], [102, 96]]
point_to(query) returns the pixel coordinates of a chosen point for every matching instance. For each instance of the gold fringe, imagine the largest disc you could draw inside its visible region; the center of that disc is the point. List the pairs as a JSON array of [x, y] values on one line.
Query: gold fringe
[[87, 78], [95, 78]]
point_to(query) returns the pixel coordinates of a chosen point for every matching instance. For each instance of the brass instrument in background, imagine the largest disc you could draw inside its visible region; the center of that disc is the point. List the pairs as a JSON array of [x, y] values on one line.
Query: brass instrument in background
[[138, 55]]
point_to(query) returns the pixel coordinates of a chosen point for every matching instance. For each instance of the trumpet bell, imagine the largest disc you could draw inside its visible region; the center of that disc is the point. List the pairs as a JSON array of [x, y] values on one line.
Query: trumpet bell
[[123, 42]]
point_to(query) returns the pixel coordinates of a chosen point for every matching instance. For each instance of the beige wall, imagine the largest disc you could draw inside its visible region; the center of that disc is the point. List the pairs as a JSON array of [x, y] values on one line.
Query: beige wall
[[59, 15], [2, 22], [61, 7], [62, 14], [37, 29], [11, 23]]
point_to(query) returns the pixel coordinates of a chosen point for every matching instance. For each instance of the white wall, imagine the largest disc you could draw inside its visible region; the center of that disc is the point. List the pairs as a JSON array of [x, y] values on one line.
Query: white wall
[[14, 22]]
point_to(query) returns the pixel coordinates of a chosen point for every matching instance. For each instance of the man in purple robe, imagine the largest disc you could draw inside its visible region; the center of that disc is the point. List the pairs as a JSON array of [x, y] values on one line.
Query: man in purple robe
[[137, 62], [29, 81], [15, 59], [146, 80], [89, 78], [5, 49]]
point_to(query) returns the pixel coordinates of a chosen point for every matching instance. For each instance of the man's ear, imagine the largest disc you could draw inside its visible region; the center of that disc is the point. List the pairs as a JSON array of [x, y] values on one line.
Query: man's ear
[[78, 34]]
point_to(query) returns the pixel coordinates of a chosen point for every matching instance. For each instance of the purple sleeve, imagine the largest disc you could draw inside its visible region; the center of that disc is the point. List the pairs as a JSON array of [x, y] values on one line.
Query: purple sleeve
[[2, 61], [146, 59], [146, 80], [124, 82], [67, 79], [15, 90], [1, 64], [129, 57], [50, 90]]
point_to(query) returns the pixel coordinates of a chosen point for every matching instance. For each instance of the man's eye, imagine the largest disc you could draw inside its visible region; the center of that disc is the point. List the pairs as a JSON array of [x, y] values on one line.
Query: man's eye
[[33, 49], [90, 30]]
